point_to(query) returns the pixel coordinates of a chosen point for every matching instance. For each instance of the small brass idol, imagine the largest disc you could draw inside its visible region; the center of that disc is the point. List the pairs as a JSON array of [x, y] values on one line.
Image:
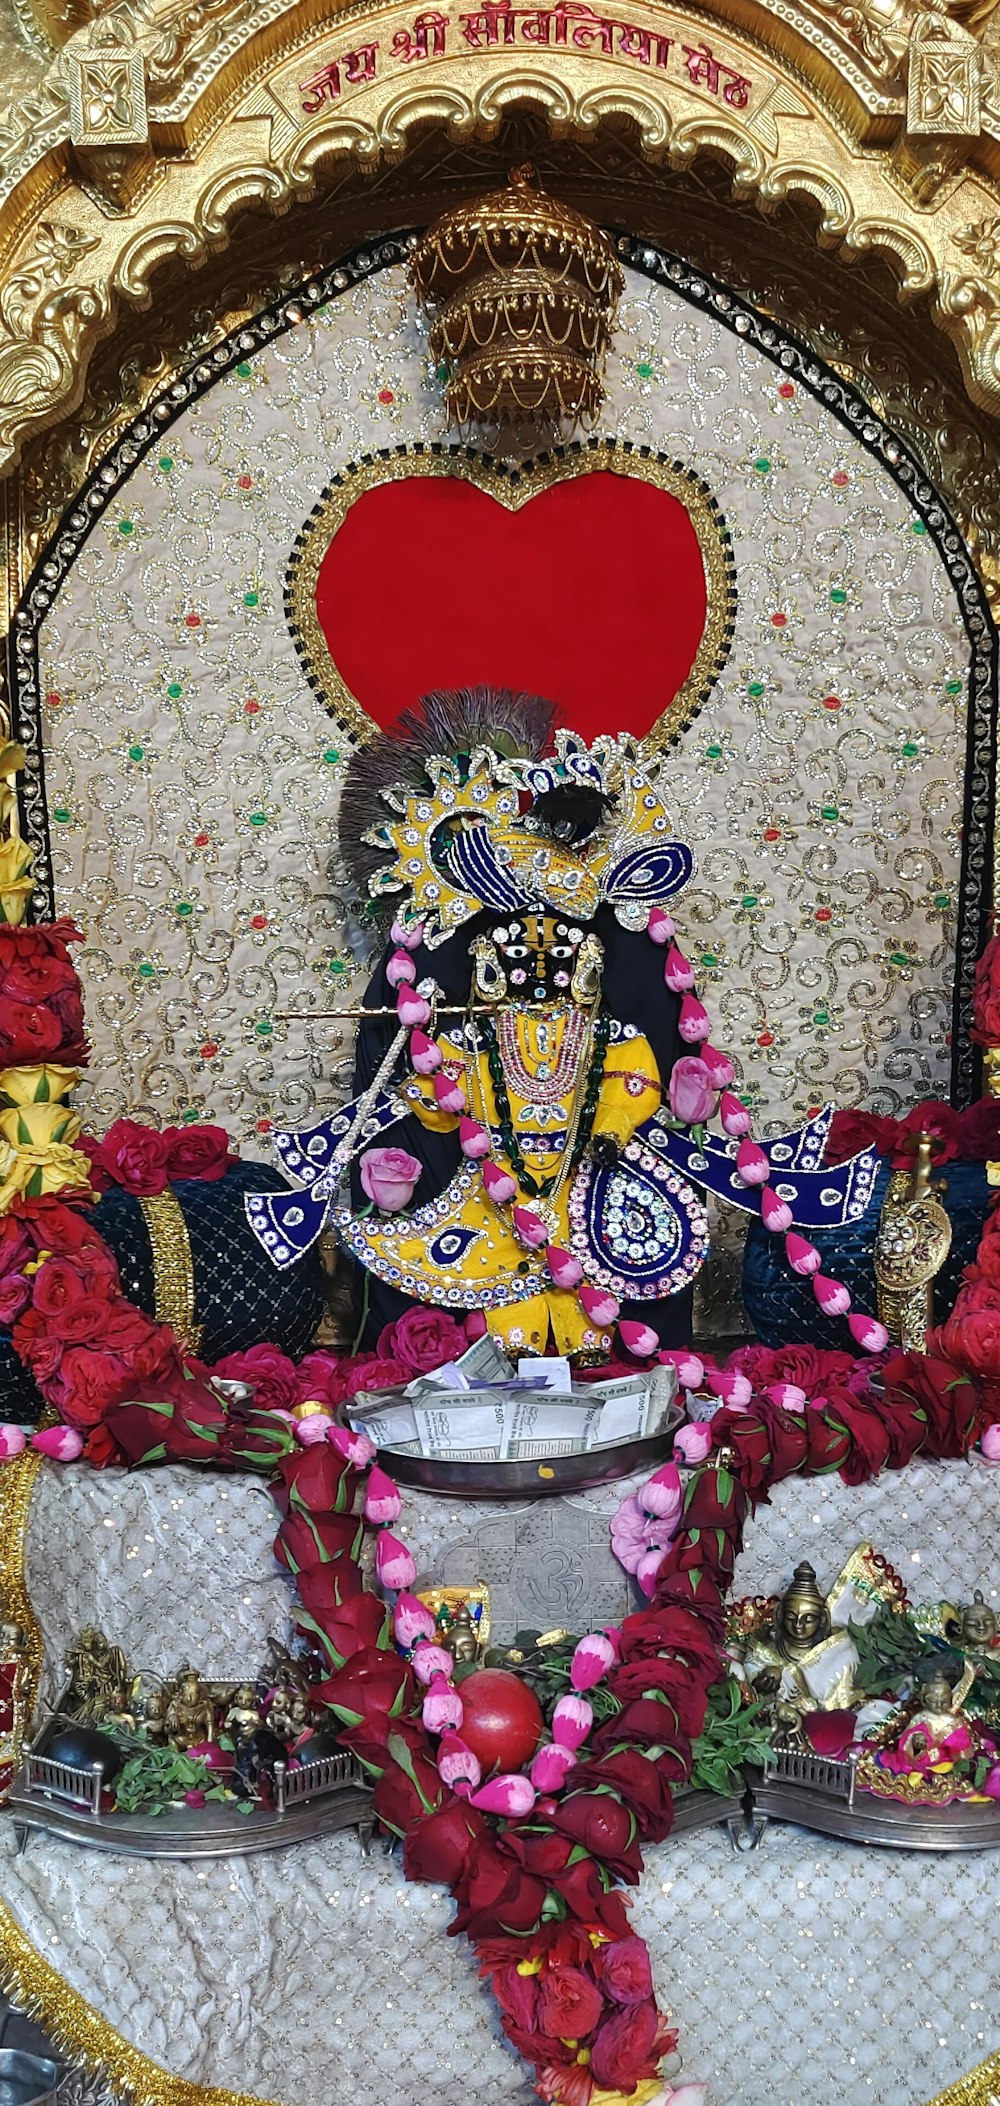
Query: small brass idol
[[190, 1711]]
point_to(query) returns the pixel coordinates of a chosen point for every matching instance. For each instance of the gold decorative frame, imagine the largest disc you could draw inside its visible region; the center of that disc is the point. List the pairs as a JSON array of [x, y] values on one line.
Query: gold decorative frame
[[514, 488]]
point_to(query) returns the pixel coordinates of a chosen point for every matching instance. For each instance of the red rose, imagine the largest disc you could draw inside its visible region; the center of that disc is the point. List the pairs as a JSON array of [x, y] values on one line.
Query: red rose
[[979, 1130], [516, 1994], [625, 2048], [373, 1372], [624, 1971], [585, 1894], [305, 1540], [135, 1157], [52, 1225], [438, 1848], [570, 2003], [318, 1379], [640, 1786], [371, 1681], [671, 1628], [36, 979], [495, 1894], [537, 1848], [399, 1798], [851, 1131], [15, 1244], [933, 1118], [197, 1151], [15, 1294], [269, 1372], [422, 1339], [317, 1480], [350, 1623], [986, 994], [59, 1290], [748, 1433], [599, 1822], [673, 1678], [870, 1443], [101, 1449], [716, 1499], [27, 1033], [87, 1383], [140, 1430], [936, 1387]]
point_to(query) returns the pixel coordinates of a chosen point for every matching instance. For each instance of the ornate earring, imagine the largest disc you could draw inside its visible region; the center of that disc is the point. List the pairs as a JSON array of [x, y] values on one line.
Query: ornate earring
[[585, 986], [490, 980]]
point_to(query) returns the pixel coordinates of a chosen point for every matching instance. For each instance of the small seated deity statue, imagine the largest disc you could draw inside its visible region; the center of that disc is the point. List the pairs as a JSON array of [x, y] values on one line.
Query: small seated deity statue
[[190, 1713], [151, 1722], [279, 1716], [978, 1630], [120, 1711], [243, 1715], [801, 1662], [299, 1715], [936, 1724], [927, 1752], [98, 1671], [461, 1640]]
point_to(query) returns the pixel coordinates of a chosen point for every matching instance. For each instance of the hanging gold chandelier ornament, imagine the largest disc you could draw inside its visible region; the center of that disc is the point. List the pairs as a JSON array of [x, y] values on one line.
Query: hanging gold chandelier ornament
[[523, 292]]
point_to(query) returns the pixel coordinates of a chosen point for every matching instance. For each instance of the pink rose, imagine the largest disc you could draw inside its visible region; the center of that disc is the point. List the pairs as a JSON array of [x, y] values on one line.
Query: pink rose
[[271, 1374], [388, 1176], [15, 1294], [374, 1371], [625, 1971], [692, 1094], [135, 1157], [422, 1339]]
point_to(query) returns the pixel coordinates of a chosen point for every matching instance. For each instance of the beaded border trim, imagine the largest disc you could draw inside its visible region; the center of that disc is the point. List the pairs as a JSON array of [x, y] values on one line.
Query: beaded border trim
[[173, 1267]]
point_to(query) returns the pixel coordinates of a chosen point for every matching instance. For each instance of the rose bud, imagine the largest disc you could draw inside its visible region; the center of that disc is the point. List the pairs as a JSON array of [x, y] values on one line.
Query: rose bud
[[529, 1228], [662, 1494], [677, 971], [476, 1325], [647, 1569], [383, 1500], [693, 1442], [659, 927], [572, 1720], [787, 1395], [59, 1443], [736, 1120], [690, 1371], [730, 1386], [832, 1295], [551, 1767], [425, 1053], [693, 1023], [449, 1093], [408, 934], [442, 1707], [308, 1432], [400, 970], [719, 1066], [868, 1333], [775, 1213], [12, 1442], [990, 1443], [456, 1763], [591, 1660], [474, 1140], [637, 1338], [428, 1659], [356, 1448], [393, 1563], [500, 1186], [598, 1306], [691, 1091], [411, 1008], [565, 1270], [505, 1795], [752, 1165], [803, 1257], [412, 1619]]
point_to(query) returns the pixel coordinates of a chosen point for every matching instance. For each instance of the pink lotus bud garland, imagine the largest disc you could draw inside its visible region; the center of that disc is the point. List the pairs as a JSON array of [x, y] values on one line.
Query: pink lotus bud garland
[[529, 1228], [500, 1186], [719, 1066], [735, 1118], [832, 1296], [393, 1562], [690, 1370], [565, 1269], [412, 1008], [677, 971], [693, 1442], [400, 970], [802, 1256], [572, 1720], [508, 1794], [407, 934], [309, 1432], [693, 1023], [429, 1659], [752, 1166], [59, 1443], [425, 1054], [473, 1139], [662, 1494], [591, 1660], [411, 1622], [356, 1448], [12, 1442], [599, 1306], [449, 1093], [775, 1213], [442, 1707], [551, 1766], [730, 1386], [867, 1332], [638, 1338], [458, 1767], [659, 927], [383, 1501]]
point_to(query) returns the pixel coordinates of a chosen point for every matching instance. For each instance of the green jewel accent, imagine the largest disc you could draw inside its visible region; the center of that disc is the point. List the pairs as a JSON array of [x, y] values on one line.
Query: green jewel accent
[[900, 958], [911, 749], [822, 1016], [953, 687], [146, 971], [644, 369], [166, 462], [756, 689], [184, 908], [175, 690], [332, 756], [713, 752], [942, 899], [441, 374], [258, 818], [136, 752], [243, 370], [189, 1115], [709, 958], [762, 466], [918, 527], [126, 526], [251, 599], [749, 899], [61, 813], [337, 965], [264, 1028], [829, 811], [838, 595]]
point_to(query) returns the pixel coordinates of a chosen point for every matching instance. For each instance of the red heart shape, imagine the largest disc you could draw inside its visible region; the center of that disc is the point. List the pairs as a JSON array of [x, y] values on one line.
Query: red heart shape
[[592, 594]]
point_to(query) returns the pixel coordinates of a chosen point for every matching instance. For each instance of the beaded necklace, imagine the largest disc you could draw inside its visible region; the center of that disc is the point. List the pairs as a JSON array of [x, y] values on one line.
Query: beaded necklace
[[581, 1122]]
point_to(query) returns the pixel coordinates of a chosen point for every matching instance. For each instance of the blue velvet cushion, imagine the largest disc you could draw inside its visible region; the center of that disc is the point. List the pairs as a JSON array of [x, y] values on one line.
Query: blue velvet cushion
[[782, 1307], [241, 1299]]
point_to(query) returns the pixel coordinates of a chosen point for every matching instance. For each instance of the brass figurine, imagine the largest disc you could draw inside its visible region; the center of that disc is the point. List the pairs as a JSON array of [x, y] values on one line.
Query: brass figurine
[[243, 1715], [461, 1640], [978, 1628], [98, 1673], [913, 1241], [190, 1713]]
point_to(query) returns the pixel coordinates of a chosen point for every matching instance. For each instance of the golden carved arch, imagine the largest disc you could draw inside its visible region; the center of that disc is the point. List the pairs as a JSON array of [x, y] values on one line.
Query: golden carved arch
[[822, 103]]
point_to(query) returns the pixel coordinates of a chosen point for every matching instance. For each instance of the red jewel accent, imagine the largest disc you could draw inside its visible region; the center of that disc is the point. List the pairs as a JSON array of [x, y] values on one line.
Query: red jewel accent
[[244, 482], [201, 840], [258, 921], [832, 702], [766, 1038], [772, 833], [192, 621], [840, 478], [386, 395], [778, 621], [824, 914], [263, 1126], [813, 1111], [53, 700], [251, 708], [209, 1050], [786, 390]]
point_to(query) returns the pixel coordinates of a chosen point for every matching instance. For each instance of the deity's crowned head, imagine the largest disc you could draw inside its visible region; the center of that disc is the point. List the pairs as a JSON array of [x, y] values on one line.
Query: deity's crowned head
[[979, 1623], [934, 1692], [802, 1619], [537, 959]]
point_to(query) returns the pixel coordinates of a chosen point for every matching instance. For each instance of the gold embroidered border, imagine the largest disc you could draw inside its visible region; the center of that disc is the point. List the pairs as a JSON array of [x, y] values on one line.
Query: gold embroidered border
[[980, 2088], [17, 1480], [173, 1269], [513, 491]]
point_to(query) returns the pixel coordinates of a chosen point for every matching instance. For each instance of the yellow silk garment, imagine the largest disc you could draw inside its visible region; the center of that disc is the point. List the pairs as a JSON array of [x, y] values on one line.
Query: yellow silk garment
[[461, 1251]]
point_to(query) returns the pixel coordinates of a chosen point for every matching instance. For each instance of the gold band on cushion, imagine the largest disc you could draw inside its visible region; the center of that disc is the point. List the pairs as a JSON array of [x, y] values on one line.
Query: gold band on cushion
[[173, 1269]]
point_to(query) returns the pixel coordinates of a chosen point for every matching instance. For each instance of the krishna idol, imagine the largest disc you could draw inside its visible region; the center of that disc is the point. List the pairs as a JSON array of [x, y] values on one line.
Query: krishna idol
[[532, 1043]]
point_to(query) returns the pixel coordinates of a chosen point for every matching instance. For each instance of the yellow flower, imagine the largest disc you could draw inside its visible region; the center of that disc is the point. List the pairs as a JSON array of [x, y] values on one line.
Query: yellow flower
[[529, 1966], [39, 1126], [44, 1083], [37, 1171], [16, 883]]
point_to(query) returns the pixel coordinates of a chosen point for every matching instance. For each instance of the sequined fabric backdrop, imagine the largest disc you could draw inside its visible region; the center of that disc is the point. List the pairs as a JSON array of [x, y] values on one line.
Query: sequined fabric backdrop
[[192, 775]]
